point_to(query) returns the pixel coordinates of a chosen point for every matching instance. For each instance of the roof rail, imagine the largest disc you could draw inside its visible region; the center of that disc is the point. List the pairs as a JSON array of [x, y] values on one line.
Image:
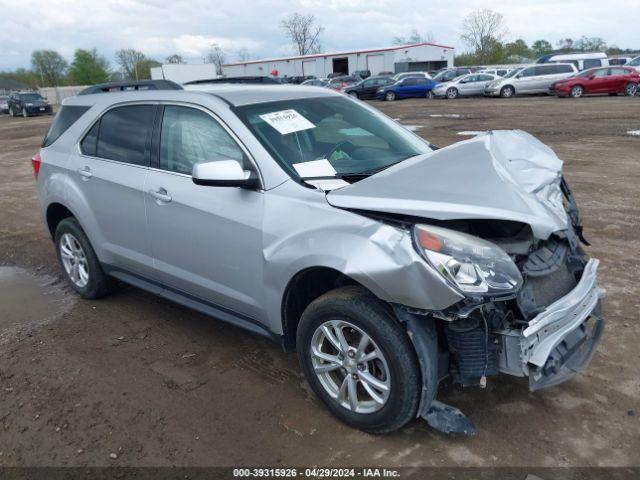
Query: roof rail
[[127, 86], [252, 80]]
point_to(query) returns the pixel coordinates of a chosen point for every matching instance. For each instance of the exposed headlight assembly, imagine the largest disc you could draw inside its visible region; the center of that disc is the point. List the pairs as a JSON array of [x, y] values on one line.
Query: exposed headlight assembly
[[472, 265]]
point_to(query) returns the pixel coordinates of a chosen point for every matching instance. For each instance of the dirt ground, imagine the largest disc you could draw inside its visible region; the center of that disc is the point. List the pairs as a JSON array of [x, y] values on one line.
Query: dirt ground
[[157, 384]]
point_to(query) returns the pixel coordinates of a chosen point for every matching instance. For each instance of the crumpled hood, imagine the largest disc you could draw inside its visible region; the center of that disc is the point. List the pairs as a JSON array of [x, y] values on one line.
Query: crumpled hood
[[503, 175]]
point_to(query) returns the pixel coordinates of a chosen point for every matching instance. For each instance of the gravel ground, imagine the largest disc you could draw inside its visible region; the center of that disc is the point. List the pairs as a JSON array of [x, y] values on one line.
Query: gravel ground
[[135, 380]]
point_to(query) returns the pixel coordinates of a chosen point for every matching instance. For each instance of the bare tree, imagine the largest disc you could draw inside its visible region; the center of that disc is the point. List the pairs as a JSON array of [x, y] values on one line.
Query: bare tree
[[482, 30], [216, 56], [243, 55], [415, 37], [303, 33], [129, 60], [175, 58]]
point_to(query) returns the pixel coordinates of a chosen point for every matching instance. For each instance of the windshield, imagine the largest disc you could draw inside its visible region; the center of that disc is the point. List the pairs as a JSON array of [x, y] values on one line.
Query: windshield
[[30, 96], [634, 63], [513, 72], [352, 137]]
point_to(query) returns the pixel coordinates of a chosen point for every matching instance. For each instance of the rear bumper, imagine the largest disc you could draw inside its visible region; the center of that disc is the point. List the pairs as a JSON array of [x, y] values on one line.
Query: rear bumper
[[560, 341]]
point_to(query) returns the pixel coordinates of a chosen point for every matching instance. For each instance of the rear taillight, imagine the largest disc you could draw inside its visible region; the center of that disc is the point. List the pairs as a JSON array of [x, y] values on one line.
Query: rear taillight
[[35, 162]]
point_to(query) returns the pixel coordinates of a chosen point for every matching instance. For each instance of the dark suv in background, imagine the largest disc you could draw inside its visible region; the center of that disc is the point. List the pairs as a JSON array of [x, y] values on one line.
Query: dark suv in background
[[28, 104]]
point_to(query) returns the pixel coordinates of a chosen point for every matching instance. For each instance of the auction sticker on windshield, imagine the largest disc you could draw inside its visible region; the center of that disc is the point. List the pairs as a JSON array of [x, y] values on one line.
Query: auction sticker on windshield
[[287, 121]]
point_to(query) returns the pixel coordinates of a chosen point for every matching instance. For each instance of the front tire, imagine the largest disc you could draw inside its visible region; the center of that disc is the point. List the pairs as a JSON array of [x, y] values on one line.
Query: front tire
[[79, 262], [353, 94], [507, 92], [390, 96], [452, 93], [576, 91], [24, 112], [359, 360]]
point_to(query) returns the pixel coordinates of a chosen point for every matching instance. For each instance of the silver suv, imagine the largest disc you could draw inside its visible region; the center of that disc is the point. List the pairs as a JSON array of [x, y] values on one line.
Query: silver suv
[[313, 219], [531, 79]]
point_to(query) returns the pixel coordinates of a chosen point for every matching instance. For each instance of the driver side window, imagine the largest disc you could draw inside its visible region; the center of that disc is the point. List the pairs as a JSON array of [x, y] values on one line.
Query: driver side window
[[191, 136]]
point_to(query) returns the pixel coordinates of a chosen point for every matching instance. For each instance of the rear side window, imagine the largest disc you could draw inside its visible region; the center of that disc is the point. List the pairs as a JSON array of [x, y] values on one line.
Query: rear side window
[[592, 63], [66, 116], [124, 134], [564, 68]]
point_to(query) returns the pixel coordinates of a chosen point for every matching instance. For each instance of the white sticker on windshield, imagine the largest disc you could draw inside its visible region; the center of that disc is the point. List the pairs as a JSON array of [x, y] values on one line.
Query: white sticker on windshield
[[315, 168], [287, 121]]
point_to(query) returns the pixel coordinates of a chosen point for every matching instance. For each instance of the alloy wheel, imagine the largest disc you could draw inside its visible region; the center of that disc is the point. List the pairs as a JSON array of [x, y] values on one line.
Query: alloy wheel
[[390, 96], [350, 366], [576, 92], [631, 89], [74, 260]]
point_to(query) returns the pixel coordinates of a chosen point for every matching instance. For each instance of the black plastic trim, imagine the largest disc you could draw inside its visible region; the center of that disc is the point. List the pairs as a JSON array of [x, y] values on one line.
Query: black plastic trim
[[190, 301]]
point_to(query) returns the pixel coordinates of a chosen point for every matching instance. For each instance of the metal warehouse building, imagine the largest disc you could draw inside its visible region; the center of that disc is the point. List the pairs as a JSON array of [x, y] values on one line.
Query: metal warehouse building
[[401, 58]]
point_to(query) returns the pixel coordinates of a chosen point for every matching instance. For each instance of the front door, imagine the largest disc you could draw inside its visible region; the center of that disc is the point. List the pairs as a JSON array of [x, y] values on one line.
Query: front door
[[206, 241]]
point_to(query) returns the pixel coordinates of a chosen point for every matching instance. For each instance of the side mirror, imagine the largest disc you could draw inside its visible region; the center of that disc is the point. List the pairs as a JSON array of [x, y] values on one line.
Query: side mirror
[[591, 77], [223, 173]]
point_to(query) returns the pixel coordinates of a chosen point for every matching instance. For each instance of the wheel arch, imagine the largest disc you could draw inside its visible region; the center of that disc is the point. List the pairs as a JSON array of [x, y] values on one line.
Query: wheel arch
[[55, 213], [303, 288]]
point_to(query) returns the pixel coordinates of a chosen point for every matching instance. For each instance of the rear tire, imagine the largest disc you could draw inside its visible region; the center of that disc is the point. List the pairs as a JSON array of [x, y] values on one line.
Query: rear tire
[[430, 94], [576, 91], [631, 89], [354, 94], [507, 92], [80, 265], [355, 313]]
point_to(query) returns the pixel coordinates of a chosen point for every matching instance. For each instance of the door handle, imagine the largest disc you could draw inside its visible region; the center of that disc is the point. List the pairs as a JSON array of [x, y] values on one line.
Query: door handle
[[85, 173], [161, 195]]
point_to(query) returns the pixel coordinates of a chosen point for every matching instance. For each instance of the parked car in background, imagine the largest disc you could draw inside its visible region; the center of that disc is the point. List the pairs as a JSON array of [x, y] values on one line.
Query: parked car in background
[[611, 80], [400, 76], [406, 88], [336, 74], [619, 60], [362, 74], [4, 103], [464, 86], [449, 74], [28, 104], [258, 79], [386, 74], [340, 83], [582, 61], [530, 79], [634, 63], [500, 72], [367, 88], [316, 82]]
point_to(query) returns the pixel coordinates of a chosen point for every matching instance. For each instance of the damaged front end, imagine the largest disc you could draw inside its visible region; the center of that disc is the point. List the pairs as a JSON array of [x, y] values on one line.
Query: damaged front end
[[500, 225]]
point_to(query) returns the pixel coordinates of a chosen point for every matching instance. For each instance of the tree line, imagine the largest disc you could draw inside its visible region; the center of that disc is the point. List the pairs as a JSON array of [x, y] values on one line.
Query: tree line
[[88, 67]]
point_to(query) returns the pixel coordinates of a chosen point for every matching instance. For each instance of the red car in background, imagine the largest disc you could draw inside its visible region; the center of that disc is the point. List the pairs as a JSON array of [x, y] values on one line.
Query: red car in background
[[612, 80]]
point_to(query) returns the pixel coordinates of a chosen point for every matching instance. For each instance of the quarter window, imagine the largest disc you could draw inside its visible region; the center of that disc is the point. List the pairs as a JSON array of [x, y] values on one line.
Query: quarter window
[[190, 136], [124, 134], [66, 117]]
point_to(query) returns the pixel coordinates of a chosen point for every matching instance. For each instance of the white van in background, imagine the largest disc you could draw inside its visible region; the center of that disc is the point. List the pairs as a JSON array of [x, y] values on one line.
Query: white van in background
[[582, 61]]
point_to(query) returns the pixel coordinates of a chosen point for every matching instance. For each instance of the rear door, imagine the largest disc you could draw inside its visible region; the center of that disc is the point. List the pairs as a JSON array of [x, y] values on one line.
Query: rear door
[[206, 241], [110, 174]]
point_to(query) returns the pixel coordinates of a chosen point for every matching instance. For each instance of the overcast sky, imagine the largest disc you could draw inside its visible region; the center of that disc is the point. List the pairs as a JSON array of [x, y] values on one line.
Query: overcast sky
[[189, 27]]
